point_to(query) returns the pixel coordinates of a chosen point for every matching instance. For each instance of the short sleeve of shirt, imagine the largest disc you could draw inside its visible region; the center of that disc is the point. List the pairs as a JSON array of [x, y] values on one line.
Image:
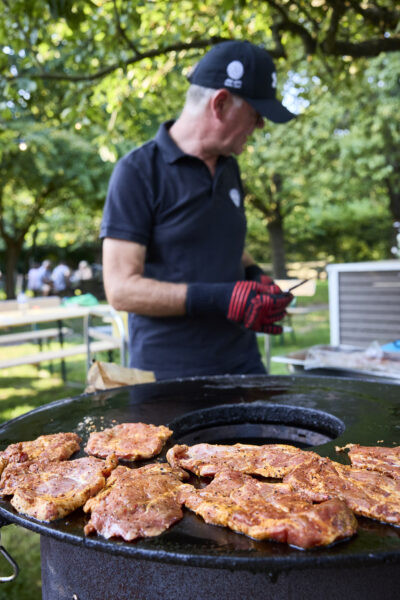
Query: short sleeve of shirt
[[128, 210]]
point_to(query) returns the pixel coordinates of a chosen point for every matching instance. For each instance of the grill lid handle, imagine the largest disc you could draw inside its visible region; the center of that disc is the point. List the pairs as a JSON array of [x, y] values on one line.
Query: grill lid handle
[[10, 560]]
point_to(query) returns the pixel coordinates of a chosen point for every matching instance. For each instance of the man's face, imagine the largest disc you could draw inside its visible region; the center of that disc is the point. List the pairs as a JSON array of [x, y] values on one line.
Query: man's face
[[240, 122]]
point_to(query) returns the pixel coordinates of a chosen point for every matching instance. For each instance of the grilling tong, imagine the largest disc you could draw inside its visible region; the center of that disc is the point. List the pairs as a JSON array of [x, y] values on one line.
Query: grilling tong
[[297, 285]]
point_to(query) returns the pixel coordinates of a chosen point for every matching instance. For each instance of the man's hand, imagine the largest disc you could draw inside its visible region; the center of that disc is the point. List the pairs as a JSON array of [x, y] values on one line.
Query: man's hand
[[249, 303], [258, 306], [255, 273]]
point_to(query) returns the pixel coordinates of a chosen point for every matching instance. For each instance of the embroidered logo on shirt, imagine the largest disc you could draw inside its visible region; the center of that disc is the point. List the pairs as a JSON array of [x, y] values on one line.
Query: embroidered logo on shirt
[[235, 71], [234, 195]]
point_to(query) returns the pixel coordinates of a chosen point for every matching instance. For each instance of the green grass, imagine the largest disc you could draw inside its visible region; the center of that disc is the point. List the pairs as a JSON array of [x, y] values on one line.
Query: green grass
[[24, 547], [25, 388], [320, 297]]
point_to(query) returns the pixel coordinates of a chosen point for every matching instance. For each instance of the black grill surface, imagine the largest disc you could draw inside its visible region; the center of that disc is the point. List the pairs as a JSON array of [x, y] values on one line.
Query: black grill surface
[[333, 411]]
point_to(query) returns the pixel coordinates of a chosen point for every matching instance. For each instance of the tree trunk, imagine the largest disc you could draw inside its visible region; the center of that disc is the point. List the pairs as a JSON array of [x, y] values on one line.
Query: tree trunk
[[13, 250], [271, 210], [32, 250], [277, 244], [275, 229]]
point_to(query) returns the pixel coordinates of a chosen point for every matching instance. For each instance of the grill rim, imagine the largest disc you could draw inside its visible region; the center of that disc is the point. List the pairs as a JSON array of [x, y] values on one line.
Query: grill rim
[[305, 559]]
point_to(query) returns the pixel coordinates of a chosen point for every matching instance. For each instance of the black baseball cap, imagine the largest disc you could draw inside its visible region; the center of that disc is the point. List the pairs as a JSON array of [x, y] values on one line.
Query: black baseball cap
[[246, 70]]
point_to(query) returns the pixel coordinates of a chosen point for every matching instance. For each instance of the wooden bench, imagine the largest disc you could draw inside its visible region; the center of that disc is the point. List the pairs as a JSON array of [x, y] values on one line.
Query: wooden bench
[[34, 335], [37, 358]]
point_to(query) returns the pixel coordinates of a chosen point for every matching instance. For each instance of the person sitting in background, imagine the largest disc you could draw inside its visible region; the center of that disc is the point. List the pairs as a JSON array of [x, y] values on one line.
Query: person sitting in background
[[33, 279], [61, 279], [83, 272], [40, 279]]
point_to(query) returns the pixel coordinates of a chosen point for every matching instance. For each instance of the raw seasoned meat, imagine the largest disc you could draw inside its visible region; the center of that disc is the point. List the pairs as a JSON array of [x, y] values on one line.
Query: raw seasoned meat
[[264, 510], [137, 502], [49, 490], [367, 493], [270, 460], [56, 446], [129, 441], [376, 458], [3, 464]]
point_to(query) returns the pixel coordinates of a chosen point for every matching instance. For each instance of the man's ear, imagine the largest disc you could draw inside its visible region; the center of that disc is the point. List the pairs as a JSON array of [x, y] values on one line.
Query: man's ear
[[220, 103]]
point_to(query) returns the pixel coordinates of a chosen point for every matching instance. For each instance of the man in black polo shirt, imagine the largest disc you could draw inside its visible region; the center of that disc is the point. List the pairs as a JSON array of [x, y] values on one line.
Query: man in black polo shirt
[[174, 228]]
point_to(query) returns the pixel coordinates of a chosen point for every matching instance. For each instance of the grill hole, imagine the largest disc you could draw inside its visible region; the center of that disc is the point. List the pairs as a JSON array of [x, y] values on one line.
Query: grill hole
[[257, 423]]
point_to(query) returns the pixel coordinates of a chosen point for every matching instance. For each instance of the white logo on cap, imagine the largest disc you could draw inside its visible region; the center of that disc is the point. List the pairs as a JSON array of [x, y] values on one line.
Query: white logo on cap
[[235, 71], [274, 80], [234, 195]]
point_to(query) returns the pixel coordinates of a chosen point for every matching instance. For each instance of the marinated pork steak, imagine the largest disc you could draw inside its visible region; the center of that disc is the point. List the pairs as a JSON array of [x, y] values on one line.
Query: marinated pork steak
[[375, 458], [50, 490], [367, 493], [128, 441], [56, 446], [270, 460], [137, 502], [264, 510]]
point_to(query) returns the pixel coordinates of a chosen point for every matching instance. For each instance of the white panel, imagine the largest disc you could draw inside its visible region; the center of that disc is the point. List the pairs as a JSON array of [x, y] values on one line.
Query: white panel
[[364, 302]]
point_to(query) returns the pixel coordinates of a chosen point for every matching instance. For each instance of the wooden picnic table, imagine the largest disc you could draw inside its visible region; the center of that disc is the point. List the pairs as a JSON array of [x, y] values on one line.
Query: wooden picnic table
[[93, 341]]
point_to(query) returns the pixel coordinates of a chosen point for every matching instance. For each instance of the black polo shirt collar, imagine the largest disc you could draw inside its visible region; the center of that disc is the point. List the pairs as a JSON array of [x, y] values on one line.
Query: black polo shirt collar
[[170, 151]]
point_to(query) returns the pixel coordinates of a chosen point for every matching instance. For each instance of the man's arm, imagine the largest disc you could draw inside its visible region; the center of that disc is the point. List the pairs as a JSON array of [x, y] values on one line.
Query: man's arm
[[256, 306], [127, 289]]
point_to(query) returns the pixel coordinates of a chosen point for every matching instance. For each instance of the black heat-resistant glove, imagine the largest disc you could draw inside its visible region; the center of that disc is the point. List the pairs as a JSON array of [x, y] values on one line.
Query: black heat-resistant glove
[[255, 273], [255, 306]]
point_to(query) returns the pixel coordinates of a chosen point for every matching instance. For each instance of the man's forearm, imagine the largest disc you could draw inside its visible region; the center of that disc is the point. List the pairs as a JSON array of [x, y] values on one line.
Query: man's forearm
[[148, 297], [127, 289]]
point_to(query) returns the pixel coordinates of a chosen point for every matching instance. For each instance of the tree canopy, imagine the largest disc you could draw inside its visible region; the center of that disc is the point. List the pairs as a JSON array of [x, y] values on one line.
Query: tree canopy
[[84, 81], [80, 40], [71, 48], [327, 183], [43, 169]]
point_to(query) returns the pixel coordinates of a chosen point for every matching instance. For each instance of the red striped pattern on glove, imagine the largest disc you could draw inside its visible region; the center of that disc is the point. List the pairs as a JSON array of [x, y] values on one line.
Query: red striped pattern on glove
[[257, 306]]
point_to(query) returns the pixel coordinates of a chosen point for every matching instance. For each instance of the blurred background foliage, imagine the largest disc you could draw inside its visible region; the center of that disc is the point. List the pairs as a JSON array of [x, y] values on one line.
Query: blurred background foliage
[[83, 82]]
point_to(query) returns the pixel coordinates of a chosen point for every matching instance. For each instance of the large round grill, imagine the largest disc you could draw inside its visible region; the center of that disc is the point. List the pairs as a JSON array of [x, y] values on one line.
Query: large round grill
[[196, 560]]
